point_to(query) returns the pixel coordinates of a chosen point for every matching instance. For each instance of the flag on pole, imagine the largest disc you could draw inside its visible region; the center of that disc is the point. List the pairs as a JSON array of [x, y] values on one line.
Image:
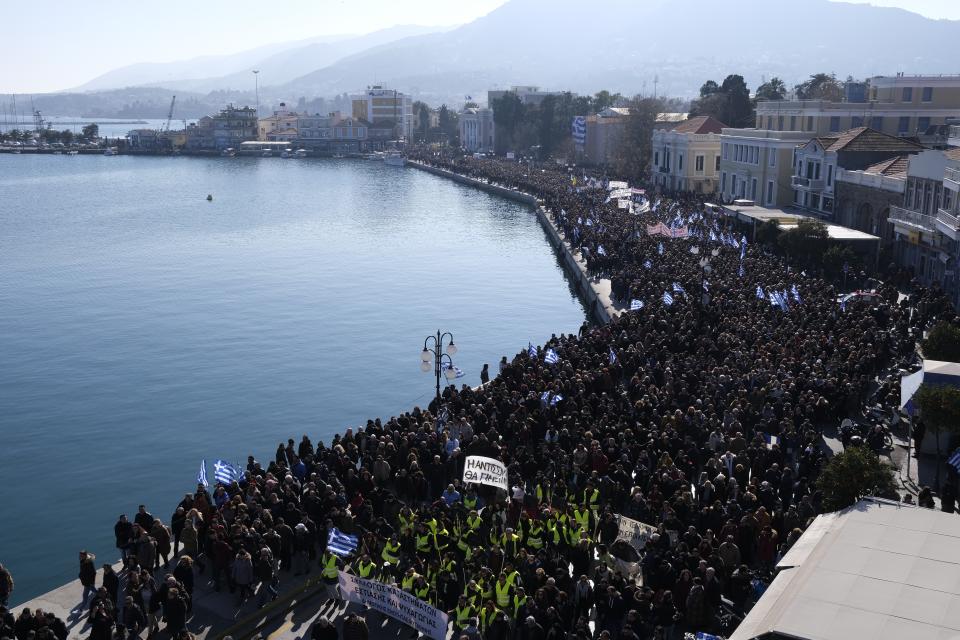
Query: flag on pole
[[613, 356], [636, 305], [660, 248], [760, 292], [531, 350], [667, 298], [954, 459], [770, 440], [202, 476], [796, 294], [551, 357], [225, 472], [677, 288], [340, 543], [647, 264], [457, 370]]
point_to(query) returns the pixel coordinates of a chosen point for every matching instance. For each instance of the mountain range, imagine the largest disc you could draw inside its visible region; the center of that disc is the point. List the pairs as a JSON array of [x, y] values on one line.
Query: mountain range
[[630, 46]]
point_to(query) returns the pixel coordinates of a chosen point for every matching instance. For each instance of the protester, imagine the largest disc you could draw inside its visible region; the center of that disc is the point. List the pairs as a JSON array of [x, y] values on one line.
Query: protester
[[6, 585]]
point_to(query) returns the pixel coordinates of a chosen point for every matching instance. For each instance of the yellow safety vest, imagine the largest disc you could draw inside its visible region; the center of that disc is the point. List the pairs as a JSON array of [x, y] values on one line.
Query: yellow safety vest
[[512, 577], [406, 524], [423, 592], [485, 589], [503, 594], [533, 537], [330, 566], [462, 615], [474, 523], [470, 503], [423, 543], [543, 493], [407, 582], [582, 518], [595, 500], [438, 543], [391, 553], [366, 569], [449, 566], [486, 616], [517, 603]]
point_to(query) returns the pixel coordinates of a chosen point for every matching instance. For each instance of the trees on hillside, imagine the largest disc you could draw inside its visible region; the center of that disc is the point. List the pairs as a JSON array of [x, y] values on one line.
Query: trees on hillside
[[728, 102]]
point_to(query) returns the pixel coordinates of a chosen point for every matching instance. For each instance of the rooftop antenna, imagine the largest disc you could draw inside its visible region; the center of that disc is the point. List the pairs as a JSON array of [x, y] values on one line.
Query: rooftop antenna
[[656, 79]]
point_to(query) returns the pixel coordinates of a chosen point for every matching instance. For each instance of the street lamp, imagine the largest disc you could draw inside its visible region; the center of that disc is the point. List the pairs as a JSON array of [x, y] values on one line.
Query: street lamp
[[433, 349], [256, 85]]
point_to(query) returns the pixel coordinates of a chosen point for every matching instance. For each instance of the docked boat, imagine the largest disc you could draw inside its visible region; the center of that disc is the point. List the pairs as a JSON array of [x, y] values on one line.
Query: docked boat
[[266, 153], [286, 153], [229, 152], [300, 153], [110, 151], [73, 152], [394, 159]]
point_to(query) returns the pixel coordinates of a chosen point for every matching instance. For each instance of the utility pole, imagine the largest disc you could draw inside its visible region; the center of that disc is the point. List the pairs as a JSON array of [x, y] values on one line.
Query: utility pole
[[256, 88], [656, 79]]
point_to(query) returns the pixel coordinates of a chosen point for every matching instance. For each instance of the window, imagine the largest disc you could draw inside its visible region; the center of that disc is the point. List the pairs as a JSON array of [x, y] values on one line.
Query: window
[[834, 124], [876, 122], [753, 189], [903, 126], [829, 175], [769, 122], [679, 162], [923, 124], [772, 155], [927, 95], [723, 182], [769, 192], [814, 200], [656, 158], [725, 154], [733, 184], [809, 123], [717, 168], [816, 171], [907, 94], [793, 123], [699, 164], [779, 123]]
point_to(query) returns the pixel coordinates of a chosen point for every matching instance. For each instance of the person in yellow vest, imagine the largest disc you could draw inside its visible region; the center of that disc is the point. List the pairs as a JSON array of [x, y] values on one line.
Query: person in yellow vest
[[421, 589], [520, 604], [473, 594], [535, 535], [503, 592], [441, 539], [423, 541], [471, 501], [407, 519], [513, 576], [391, 551], [461, 614], [544, 494], [511, 543], [553, 530], [330, 575], [408, 580], [592, 497], [367, 568], [486, 615], [582, 517], [474, 521], [485, 582]]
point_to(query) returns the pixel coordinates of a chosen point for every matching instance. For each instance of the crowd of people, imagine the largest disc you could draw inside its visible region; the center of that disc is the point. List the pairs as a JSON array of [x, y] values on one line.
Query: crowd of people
[[665, 416]]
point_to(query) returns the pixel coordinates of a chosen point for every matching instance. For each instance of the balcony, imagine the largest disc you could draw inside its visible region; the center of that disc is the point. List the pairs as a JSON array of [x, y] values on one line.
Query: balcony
[[951, 179], [948, 224], [808, 183], [664, 169], [953, 136], [912, 220]]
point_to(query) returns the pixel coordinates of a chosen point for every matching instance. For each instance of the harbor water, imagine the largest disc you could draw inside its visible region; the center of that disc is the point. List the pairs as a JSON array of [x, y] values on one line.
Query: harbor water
[[144, 328]]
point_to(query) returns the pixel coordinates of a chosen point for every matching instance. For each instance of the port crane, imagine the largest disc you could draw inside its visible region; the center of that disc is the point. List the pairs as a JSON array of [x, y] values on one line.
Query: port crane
[[173, 101]]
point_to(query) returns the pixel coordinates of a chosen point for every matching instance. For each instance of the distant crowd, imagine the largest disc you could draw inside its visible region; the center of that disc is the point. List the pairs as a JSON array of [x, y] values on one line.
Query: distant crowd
[[699, 413]]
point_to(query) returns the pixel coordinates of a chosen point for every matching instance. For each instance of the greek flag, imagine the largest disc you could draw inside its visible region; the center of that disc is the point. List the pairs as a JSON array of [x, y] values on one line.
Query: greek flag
[[613, 356], [667, 298], [713, 236], [551, 357], [457, 370], [601, 250], [578, 129], [954, 460], [531, 350], [340, 543], [843, 304], [647, 264], [770, 440], [743, 251], [636, 305], [706, 286], [740, 271], [202, 476], [225, 472], [796, 294], [760, 292], [549, 398], [678, 289], [702, 635]]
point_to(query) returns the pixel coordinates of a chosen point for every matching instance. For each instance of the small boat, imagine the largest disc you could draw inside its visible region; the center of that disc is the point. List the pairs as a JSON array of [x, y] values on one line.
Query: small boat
[[266, 153], [300, 153], [394, 159], [376, 155], [110, 151], [209, 197], [58, 153], [73, 153], [286, 153], [229, 152], [339, 156]]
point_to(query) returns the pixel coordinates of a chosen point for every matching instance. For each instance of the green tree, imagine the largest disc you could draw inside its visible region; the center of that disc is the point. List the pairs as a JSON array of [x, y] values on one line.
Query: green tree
[[422, 113], [90, 131], [709, 88], [66, 136], [942, 343], [836, 256], [820, 86], [807, 240], [729, 102], [508, 116], [773, 89], [768, 232], [853, 474], [940, 409], [604, 99]]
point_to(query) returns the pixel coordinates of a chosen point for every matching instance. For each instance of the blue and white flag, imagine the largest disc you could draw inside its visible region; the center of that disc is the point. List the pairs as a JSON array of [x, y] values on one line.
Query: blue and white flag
[[796, 294], [843, 304], [225, 472], [677, 288], [647, 264], [551, 357], [613, 356], [760, 293], [740, 271], [202, 476], [550, 398], [954, 460], [531, 350], [702, 635], [743, 251], [340, 543], [660, 248], [770, 440], [601, 250], [636, 305], [457, 370], [578, 129], [667, 298]]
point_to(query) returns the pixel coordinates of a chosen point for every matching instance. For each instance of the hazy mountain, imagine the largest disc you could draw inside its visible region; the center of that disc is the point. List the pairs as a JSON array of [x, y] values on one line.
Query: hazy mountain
[[623, 44], [278, 63]]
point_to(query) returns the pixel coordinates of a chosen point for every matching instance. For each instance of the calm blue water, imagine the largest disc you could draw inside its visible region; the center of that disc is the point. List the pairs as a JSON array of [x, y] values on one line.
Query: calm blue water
[[143, 328]]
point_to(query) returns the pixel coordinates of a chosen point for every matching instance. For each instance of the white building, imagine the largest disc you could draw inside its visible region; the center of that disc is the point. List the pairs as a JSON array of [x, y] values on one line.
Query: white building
[[380, 106], [687, 157], [477, 130]]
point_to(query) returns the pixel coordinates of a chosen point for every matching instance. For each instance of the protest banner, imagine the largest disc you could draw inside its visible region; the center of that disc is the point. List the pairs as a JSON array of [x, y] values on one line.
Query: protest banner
[[399, 605], [634, 532], [483, 470]]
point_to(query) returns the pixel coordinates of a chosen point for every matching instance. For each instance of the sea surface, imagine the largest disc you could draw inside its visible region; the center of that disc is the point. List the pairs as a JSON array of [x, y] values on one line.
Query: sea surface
[[144, 329]]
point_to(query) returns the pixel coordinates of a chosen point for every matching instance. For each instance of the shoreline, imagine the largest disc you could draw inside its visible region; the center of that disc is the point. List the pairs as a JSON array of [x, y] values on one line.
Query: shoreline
[[593, 292]]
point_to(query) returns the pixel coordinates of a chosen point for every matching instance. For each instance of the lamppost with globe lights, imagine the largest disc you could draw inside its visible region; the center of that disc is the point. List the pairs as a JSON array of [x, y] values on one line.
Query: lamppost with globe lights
[[434, 351]]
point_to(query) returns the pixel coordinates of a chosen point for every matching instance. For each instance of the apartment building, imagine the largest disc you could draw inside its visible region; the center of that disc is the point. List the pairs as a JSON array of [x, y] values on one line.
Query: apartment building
[[387, 108], [281, 126], [817, 162], [863, 197], [687, 156], [757, 164]]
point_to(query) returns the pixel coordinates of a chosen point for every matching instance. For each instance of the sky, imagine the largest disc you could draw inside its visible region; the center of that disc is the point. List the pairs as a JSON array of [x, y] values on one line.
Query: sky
[[77, 41]]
